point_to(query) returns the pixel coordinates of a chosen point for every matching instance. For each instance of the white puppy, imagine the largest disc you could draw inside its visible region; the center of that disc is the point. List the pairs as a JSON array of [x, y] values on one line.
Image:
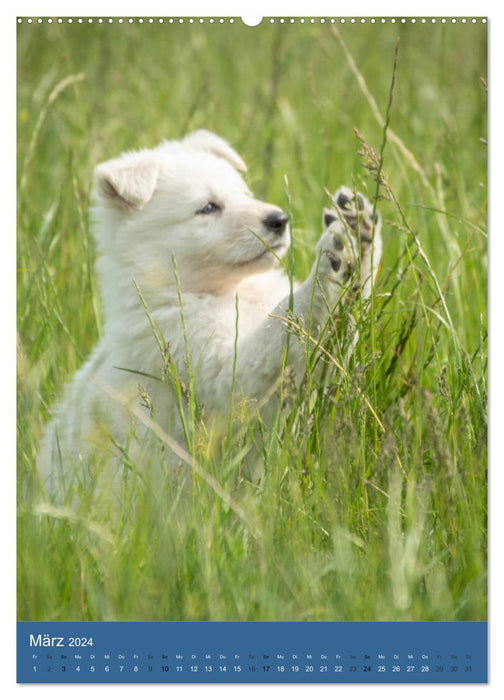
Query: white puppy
[[183, 245]]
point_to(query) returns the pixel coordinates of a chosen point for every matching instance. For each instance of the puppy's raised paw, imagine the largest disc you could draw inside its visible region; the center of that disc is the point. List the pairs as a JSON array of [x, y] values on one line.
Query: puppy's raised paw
[[355, 211], [353, 214], [336, 255]]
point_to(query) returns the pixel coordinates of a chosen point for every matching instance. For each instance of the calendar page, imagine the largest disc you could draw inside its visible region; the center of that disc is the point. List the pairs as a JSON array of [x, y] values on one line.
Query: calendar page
[[252, 349]]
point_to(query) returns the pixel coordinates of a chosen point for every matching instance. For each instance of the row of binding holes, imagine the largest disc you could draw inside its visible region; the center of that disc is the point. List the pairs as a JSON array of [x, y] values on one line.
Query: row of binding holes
[[292, 20]]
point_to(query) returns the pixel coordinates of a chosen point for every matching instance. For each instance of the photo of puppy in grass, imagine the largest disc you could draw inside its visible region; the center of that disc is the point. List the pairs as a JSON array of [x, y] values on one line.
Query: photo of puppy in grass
[[185, 248], [252, 393]]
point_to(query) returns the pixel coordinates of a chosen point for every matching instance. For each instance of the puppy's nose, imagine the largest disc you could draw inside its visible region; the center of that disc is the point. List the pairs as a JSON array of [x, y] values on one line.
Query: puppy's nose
[[276, 222]]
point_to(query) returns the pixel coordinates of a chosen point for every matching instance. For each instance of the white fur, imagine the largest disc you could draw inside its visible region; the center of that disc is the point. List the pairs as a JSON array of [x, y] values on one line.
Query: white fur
[[147, 214]]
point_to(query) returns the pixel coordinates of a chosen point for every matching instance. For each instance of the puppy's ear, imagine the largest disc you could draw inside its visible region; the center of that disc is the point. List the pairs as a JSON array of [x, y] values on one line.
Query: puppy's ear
[[328, 217], [206, 141], [128, 183]]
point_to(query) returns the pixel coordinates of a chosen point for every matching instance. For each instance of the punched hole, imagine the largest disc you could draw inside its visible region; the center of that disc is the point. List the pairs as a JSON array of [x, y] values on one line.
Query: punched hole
[[251, 21]]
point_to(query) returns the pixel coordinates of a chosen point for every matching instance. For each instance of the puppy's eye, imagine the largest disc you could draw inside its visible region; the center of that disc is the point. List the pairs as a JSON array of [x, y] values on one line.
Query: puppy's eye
[[209, 208]]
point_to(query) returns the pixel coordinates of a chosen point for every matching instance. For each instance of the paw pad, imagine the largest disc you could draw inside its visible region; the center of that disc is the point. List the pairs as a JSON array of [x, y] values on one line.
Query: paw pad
[[355, 211], [335, 262], [345, 197], [338, 243], [342, 200]]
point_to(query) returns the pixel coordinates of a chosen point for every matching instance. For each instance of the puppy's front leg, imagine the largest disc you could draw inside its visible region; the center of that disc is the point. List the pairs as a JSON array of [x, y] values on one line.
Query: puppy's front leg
[[348, 256], [260, 354]]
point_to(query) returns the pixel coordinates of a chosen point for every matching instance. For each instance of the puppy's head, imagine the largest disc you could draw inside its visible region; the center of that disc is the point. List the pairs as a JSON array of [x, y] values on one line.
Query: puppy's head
[[186, 199]]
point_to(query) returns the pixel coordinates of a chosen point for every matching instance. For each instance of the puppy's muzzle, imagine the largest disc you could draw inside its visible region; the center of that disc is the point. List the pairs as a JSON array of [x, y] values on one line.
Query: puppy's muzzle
[[276, 222]]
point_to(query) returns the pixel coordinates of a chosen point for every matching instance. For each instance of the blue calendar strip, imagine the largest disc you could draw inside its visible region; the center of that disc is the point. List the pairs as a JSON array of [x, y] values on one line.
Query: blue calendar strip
[[252, 652]]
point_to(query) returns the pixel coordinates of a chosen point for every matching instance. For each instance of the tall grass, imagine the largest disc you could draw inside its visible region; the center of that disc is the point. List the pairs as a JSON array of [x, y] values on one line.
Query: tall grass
[[371, 502]]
